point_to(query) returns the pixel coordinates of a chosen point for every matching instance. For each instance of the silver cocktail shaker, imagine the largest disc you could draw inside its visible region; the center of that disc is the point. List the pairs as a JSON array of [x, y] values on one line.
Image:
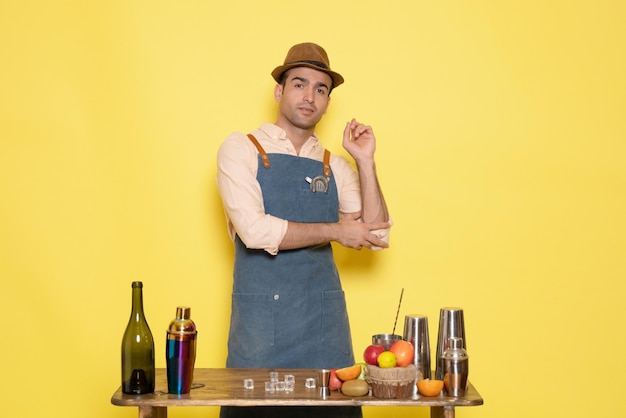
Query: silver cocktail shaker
[[181, 351], [451, 324], [416, 332], [456, 367]]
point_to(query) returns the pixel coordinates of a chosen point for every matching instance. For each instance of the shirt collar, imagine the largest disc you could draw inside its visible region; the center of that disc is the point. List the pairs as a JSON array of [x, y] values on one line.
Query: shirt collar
[[276, 133]]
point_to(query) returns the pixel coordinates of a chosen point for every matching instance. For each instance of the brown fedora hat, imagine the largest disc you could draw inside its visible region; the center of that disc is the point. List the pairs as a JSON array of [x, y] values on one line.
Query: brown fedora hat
[[307, 55]]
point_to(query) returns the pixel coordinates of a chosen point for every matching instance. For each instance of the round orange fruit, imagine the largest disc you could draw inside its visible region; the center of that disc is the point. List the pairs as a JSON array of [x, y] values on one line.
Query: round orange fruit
[[404, 352], [429, 387], [349, 373]]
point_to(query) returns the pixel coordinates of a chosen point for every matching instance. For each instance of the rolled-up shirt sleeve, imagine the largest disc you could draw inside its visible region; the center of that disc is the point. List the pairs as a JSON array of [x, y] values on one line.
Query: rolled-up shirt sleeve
[[349, 190], [242, 198]]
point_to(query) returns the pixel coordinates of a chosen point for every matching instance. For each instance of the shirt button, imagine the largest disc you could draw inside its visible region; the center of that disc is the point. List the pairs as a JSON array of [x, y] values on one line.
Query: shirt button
[[276, 297]]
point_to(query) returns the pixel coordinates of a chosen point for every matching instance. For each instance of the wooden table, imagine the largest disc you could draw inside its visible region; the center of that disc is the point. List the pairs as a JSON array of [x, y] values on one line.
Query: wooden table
[[224, 387]]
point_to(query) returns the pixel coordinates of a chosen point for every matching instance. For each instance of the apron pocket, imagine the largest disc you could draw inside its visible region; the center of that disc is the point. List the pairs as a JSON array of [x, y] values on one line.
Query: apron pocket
[[335, 324], [325, 210], [252, 327]]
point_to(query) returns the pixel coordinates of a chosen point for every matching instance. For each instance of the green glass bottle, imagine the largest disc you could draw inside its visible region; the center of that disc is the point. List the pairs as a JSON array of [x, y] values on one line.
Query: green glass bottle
[[137, 349]]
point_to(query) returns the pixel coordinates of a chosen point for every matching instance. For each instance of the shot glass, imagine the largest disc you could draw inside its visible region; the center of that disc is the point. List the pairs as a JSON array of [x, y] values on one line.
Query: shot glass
[[323, 379]]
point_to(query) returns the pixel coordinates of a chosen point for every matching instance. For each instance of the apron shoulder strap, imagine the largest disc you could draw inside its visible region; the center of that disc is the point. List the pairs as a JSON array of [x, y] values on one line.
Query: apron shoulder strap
[[326, 163], [264, 157]]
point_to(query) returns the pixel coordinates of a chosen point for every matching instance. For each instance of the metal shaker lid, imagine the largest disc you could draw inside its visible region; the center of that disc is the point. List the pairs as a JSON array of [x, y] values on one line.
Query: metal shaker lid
[[182, 325], [183, 312], [455, 348]]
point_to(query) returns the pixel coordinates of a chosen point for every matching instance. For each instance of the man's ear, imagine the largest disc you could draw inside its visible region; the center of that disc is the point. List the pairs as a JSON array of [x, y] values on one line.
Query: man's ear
[[278, 92]]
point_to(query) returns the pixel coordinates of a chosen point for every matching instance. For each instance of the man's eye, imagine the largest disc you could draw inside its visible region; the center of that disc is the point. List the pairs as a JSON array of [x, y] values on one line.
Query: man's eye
[[299, 85], [321, 91]]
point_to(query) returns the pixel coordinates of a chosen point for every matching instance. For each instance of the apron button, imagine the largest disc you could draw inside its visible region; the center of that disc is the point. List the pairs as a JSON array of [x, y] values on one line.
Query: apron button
[[276, 297]]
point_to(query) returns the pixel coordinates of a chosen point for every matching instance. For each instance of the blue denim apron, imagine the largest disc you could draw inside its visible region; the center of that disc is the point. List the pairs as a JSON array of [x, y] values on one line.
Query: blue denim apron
[[289, 310]]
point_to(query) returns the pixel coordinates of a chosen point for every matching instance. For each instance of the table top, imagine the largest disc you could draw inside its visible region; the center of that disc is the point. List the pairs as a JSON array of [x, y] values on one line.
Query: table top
[[224, 387]]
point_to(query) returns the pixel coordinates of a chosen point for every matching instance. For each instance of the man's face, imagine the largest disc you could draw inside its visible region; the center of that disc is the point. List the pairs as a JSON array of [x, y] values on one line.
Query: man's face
[[303, 98]]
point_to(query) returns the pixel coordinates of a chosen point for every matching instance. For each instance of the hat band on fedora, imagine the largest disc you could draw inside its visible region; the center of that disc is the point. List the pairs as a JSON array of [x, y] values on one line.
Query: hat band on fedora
[[315, 63]]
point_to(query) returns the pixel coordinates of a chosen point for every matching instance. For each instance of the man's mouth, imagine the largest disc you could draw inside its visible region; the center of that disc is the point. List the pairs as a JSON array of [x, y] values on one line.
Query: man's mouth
[[306, 109]]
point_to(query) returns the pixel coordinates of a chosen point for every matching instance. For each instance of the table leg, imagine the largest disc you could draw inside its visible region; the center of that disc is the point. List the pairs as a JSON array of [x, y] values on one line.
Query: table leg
[[153, 412], [441, 412]]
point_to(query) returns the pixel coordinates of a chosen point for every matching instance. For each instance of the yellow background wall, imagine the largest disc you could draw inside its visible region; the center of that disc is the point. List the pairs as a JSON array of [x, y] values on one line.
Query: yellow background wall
[[501, 152]]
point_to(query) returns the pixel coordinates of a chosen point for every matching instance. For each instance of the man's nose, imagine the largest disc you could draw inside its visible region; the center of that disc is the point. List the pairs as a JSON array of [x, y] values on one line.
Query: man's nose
[[308, 95]]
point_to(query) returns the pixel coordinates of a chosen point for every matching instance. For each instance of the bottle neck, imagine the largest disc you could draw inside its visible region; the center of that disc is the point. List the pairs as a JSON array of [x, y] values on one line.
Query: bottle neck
[[137, 303]]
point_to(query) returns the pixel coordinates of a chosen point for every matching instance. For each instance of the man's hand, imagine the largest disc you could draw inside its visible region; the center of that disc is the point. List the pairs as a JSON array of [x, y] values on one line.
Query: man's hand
[[356, 234], [359, 141], [350, 232]]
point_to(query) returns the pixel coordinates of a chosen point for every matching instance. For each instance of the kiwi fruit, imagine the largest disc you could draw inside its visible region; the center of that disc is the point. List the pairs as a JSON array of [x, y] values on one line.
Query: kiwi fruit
[[355, 387]]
